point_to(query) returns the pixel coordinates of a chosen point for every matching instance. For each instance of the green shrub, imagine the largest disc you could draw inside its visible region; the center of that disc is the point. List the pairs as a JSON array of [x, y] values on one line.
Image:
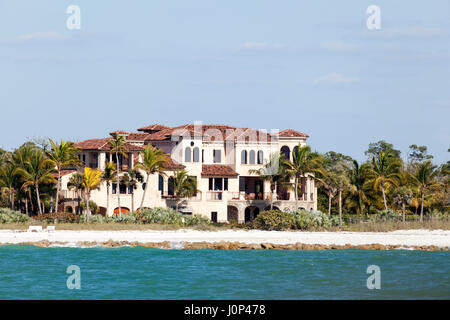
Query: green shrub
[[92, 206], [196, 220], [125, 218], [64, 217], [387, 215], [437, 215], [159, 215], [10, 216], [274, 220], [305, 220]]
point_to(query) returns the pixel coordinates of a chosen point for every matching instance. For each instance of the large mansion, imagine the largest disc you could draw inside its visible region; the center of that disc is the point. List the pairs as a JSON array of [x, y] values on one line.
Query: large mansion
[[220, 158]]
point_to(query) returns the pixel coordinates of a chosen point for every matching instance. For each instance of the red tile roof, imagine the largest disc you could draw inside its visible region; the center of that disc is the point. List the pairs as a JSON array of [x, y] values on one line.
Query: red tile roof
[[211, 132], [94, 144], [137, 136], [103, 145], [218, 170], [292, 133], [153, 127], [172, 165], [64, 172], [118, 132]]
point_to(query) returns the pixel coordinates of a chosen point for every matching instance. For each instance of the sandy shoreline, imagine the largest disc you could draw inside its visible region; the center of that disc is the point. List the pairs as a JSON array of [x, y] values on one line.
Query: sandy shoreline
[[235, 239]]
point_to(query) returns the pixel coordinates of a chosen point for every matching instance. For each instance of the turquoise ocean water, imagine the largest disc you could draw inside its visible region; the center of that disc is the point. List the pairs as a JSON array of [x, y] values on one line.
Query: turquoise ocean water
[[28, 272]]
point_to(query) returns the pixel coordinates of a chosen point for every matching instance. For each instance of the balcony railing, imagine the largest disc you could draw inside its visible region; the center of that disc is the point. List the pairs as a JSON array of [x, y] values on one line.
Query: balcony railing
[[166, 195], [214, 196]]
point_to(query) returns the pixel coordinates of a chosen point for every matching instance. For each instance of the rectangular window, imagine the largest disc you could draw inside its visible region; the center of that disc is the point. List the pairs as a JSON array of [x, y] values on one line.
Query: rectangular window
[[214, 216], [203, 155], [114, 188], [225, 184], [123, 189], [218, 184], [210, 183], [217, 156]]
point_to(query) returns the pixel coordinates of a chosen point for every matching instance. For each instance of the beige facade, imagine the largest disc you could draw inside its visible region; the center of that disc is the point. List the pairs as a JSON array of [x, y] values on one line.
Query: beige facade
[[220, 157]]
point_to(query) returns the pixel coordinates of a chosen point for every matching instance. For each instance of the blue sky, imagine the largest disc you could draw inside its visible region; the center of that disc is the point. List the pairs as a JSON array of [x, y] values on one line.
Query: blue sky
[[311, 66]]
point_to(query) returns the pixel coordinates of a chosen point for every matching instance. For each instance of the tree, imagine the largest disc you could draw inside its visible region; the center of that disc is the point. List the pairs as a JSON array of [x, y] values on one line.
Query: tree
[[402, 197], [384, 173], [327, 180], [153, 161], [8, 181], [117, 147], [131, 180], [18, 158], [418, 154], [381, 146], [109, 174], [304, 162], [184, 186], [357, 190], [91, 181], [76, 183], [426, 179], [62, 154], [274, 172], [37, 170], [339, 164]]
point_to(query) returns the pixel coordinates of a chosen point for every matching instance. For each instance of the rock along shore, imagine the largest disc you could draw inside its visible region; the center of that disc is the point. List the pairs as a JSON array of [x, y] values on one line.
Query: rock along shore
[[224, 245]]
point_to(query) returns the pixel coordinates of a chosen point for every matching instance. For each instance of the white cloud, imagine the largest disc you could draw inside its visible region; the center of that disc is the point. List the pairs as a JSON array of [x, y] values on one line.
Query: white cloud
[[261, 45], [338, 46], [334, 78], [43, 36]]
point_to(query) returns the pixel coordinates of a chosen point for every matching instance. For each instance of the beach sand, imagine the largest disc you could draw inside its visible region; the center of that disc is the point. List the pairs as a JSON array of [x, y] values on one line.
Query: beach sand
[[235, 239]]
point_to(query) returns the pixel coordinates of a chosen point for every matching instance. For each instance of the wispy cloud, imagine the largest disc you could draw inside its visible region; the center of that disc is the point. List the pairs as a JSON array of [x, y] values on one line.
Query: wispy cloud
[[261, 45], [43, 36], [338, 46], [334, 78]]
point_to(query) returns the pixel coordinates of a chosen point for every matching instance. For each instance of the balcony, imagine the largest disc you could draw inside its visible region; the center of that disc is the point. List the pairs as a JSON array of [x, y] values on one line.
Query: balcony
[[214, 196], [167, 195]]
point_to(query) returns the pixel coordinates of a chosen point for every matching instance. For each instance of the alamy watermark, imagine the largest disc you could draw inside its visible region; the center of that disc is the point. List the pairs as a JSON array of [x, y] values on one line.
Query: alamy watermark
[[374, 20], [374, 281], [73, 22], [74, 280]]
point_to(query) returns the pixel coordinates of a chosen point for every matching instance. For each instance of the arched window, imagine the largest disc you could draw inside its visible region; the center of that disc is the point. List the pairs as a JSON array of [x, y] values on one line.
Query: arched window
[[286, 152], [160, 183], [187, 155], [196, 154], [252, 157], [260, 157], [171, 186], [294, 151], [244, 157]]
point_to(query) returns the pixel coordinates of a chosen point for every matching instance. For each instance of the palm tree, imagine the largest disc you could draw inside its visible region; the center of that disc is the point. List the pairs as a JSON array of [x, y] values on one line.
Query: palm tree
[[184, 186], [8, 181], [62, 154], [153, 161], [91, 180], [357, 191], [384, 173], [274, 172], [76, 183], [131, 180], [18, 159], [426, 179], [37, 170], [304, 162], [109, 174], [117, 146]]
